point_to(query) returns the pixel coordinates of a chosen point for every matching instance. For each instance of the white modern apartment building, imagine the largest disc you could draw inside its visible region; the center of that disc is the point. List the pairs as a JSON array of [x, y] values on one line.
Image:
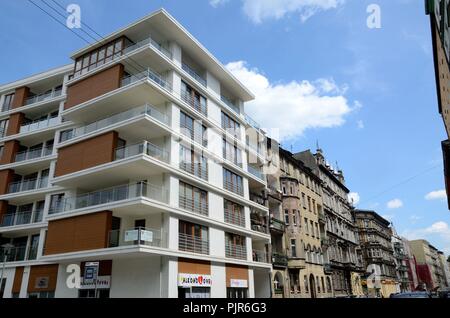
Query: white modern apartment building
[[136, 163]]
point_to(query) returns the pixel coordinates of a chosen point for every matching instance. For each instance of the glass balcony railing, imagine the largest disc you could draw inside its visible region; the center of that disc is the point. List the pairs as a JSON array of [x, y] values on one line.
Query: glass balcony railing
[[146, 148], [111, 195], [230, 104], [153, 76], [21, 218], [39, 124], [236, 251], [18, 253], [43, 97], [146, 109], [196, 206], [260, 256], [137, 236], [147, 42], [256, 172], [196, 169], [235, 218], [28, 185], [252, 122], [193, 244], [34, 154], [194, 74]]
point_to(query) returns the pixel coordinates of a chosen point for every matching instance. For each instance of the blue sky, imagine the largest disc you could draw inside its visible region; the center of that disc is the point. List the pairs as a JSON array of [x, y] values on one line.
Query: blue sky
[[367, 95]]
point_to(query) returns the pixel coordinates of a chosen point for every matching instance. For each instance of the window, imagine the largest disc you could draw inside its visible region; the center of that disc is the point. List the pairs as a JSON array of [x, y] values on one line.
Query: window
[[193, 199], [318, 284], [193, 162], [193, 98], [233, 182], [328, 285], [312, 228], [306, 226], [284, 190], [235, 246], [286, 217], [231, 126], [295, 281], [234, 213], [323, 283], [293, 248], [193, 238], [56, 203], [3, 127], [304, 200], [7, 102], [294, 217], [232, 153], [1, 151], [193, 129], [305, 281]]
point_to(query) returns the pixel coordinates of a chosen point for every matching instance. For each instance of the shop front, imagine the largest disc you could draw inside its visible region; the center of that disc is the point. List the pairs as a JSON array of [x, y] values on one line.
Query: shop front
[[237, 281], [194, 279]]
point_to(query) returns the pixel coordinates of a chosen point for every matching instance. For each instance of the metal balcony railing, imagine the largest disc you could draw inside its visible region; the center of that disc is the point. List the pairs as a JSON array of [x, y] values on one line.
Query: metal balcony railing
[[236, 251], [254, 171], [260, 256], [257, 199], [277, 225], [196, 206], [194, 102], [110, 195], [194, 74], [43, 97], [279, 259], [146, 109], [137, 236], [193, 244], [233, 187], [234, 217], [258, 223], [194, 134], [34, 154], [146, 148], [28, 185], [196, 169], [39, 124]]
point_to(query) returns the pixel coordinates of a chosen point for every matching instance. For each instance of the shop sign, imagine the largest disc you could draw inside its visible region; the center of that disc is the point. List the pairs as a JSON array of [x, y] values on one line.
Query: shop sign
[[102, 282], [41, 282], [238, 283], [91, 272], [194, 280]]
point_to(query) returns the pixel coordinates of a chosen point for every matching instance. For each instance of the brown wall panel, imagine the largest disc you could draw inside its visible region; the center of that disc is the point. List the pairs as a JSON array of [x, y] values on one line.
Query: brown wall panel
[[6, 177], [86, 232], [20, 97], [86, 154], [17, 283], [236, 272], [46, 272], [3, 208], [188, 266], [15, 121], [9, 152], [94, 86]]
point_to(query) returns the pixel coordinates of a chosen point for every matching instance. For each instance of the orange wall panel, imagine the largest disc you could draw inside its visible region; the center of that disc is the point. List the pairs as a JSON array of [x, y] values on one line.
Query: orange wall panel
[[188, 266], [43, 272], [9, 152], [6, 177], [15, 121], [21, 94]]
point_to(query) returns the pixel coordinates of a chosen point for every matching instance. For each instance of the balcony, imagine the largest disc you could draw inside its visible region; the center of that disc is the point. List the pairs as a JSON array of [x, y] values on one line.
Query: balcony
[[193, 244], [279, 259], [146, 109], [325, 241], [234, 218], [259, 223], [34, 154], [257, 199], [236, 251], [194, 74], [137, 236], [196, 206], [233, 187], [111, 195], [43, 97], [28, 185], [250, 121], [255, 172], [19, 254], [145, 148], [327, 268], [322, 217], [277, 225], [260, 256], [196, 169], [194, 103], [39, 124], [21, 218], [230, 104]]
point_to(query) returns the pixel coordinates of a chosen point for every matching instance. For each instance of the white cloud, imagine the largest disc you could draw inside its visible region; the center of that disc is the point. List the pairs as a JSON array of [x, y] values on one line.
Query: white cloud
[[260, 10], [438, 231], [436, 195], [354, 197], [216, 3], [287, 110], [395, 204]]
